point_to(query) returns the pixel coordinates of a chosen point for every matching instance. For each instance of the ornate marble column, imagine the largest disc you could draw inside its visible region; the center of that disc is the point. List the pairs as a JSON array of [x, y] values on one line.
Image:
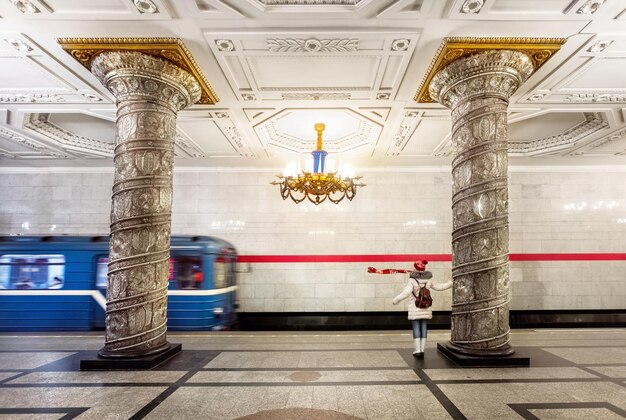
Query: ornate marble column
[[477, 89], [149, 92]]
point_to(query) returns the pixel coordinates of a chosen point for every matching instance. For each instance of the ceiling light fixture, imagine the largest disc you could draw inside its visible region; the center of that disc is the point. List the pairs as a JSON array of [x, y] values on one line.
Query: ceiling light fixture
[[318, 181]]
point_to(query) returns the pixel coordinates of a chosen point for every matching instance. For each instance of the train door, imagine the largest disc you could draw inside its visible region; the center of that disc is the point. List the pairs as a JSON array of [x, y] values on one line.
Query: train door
[[224, 277], [102, 262]]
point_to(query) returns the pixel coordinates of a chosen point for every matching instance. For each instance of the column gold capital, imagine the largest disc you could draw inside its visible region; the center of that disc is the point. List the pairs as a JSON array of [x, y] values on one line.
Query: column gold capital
[[539, 50], [85, 50]]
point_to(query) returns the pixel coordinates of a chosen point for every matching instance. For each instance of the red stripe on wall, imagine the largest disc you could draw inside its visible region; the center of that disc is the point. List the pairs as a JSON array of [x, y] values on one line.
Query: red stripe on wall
[[415, 257], [568, 257]]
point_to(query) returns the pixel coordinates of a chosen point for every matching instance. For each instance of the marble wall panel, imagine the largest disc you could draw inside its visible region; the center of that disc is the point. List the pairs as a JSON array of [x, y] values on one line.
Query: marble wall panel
[[397, 213]]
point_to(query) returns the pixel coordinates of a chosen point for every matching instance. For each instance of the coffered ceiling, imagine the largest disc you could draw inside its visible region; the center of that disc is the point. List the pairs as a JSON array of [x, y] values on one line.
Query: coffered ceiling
[[279, 66]]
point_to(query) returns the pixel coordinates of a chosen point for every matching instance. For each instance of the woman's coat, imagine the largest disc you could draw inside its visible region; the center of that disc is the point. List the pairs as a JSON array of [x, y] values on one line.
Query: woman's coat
[[412, 286]]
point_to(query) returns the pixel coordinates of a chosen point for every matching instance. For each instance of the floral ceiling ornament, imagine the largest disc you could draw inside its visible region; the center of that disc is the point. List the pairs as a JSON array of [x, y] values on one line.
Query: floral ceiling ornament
[[600, 46], [590, 7], [312, 45], [225, 45], [400, 44], [472, 6], [25, 6], [18, 44], [146, 6]]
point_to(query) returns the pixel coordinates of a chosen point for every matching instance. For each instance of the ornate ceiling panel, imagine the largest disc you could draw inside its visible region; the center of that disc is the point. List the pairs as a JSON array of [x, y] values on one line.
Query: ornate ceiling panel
[[531, 10], [303, 66], [278, 66], [299, 6], [588, 76], [293, 129], [29, 74], [90, 9]]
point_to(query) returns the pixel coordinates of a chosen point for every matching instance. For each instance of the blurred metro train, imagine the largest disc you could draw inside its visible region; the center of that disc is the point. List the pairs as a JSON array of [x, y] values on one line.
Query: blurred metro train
[[58, 283]]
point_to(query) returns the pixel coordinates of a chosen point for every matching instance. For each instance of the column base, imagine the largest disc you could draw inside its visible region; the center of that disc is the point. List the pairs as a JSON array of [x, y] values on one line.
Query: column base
[[503, 357], [131, 363]]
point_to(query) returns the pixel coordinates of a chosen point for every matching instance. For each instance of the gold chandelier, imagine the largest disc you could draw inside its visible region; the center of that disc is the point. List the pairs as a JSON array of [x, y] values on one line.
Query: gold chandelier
[[315, 184]]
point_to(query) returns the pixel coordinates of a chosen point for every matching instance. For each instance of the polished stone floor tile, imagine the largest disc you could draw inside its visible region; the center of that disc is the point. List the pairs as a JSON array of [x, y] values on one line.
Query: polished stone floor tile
[[6, 375], [367, 402], [368, 375], [304, 359], [98, 377], [591, 355], [291, 376], [507, 373], [490, 401], [32, 416], [29, 360], [576, 414], [210, 402], [52, 343], [611, 371], [102, 403]]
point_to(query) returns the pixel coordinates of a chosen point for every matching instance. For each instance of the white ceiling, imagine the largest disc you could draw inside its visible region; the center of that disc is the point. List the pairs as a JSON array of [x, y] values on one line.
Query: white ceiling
[[279, 66]]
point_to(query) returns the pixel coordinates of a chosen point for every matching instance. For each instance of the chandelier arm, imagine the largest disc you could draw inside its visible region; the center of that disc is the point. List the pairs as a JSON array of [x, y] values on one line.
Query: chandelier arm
[[317, 201], [336, 201], [284, 190]]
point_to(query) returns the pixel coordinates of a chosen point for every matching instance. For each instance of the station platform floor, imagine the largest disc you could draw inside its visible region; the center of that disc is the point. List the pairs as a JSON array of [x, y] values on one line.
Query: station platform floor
[[574, 374]]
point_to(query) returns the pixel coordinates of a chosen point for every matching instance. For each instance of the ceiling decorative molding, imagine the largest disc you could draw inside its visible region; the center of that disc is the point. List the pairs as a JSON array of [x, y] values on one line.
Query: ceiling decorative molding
[[212, 9], [538, 96], [41, 124], [312, 45], [400, 45], [590, 7], [84, 51], [308, 5], [28, 142], [19, 45], [278, 131], [225, 45], [591, 148], [25, 6], [600, 46], [472, 6], [405, 130], [564, 142], [299, 65], [377, 50], [540, 50], [315, 96], [596, 97], [594, 122], [188, 147], [6, 154], [230, 130], [406, 9], [309, 2], [32, 97], [146, 6]]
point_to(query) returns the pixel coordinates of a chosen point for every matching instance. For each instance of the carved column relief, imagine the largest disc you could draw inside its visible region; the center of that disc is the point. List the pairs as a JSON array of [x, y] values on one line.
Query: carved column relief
[[149, 92], [477, 89]]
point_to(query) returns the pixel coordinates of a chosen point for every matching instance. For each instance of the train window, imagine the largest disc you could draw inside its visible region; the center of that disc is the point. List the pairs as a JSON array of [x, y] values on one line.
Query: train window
[[32, 271], [219, 273], [188, 272], [102, 269]]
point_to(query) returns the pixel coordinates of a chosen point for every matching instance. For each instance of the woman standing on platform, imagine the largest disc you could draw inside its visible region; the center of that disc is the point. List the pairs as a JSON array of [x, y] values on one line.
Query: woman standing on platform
[[419, 306], [418, 289]]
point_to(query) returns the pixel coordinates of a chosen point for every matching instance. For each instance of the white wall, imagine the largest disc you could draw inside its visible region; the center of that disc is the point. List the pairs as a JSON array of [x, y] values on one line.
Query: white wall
[[397, 213]]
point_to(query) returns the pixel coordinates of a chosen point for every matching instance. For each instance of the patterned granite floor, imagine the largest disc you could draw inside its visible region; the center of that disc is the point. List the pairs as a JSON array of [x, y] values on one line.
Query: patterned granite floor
[[574, 374]]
